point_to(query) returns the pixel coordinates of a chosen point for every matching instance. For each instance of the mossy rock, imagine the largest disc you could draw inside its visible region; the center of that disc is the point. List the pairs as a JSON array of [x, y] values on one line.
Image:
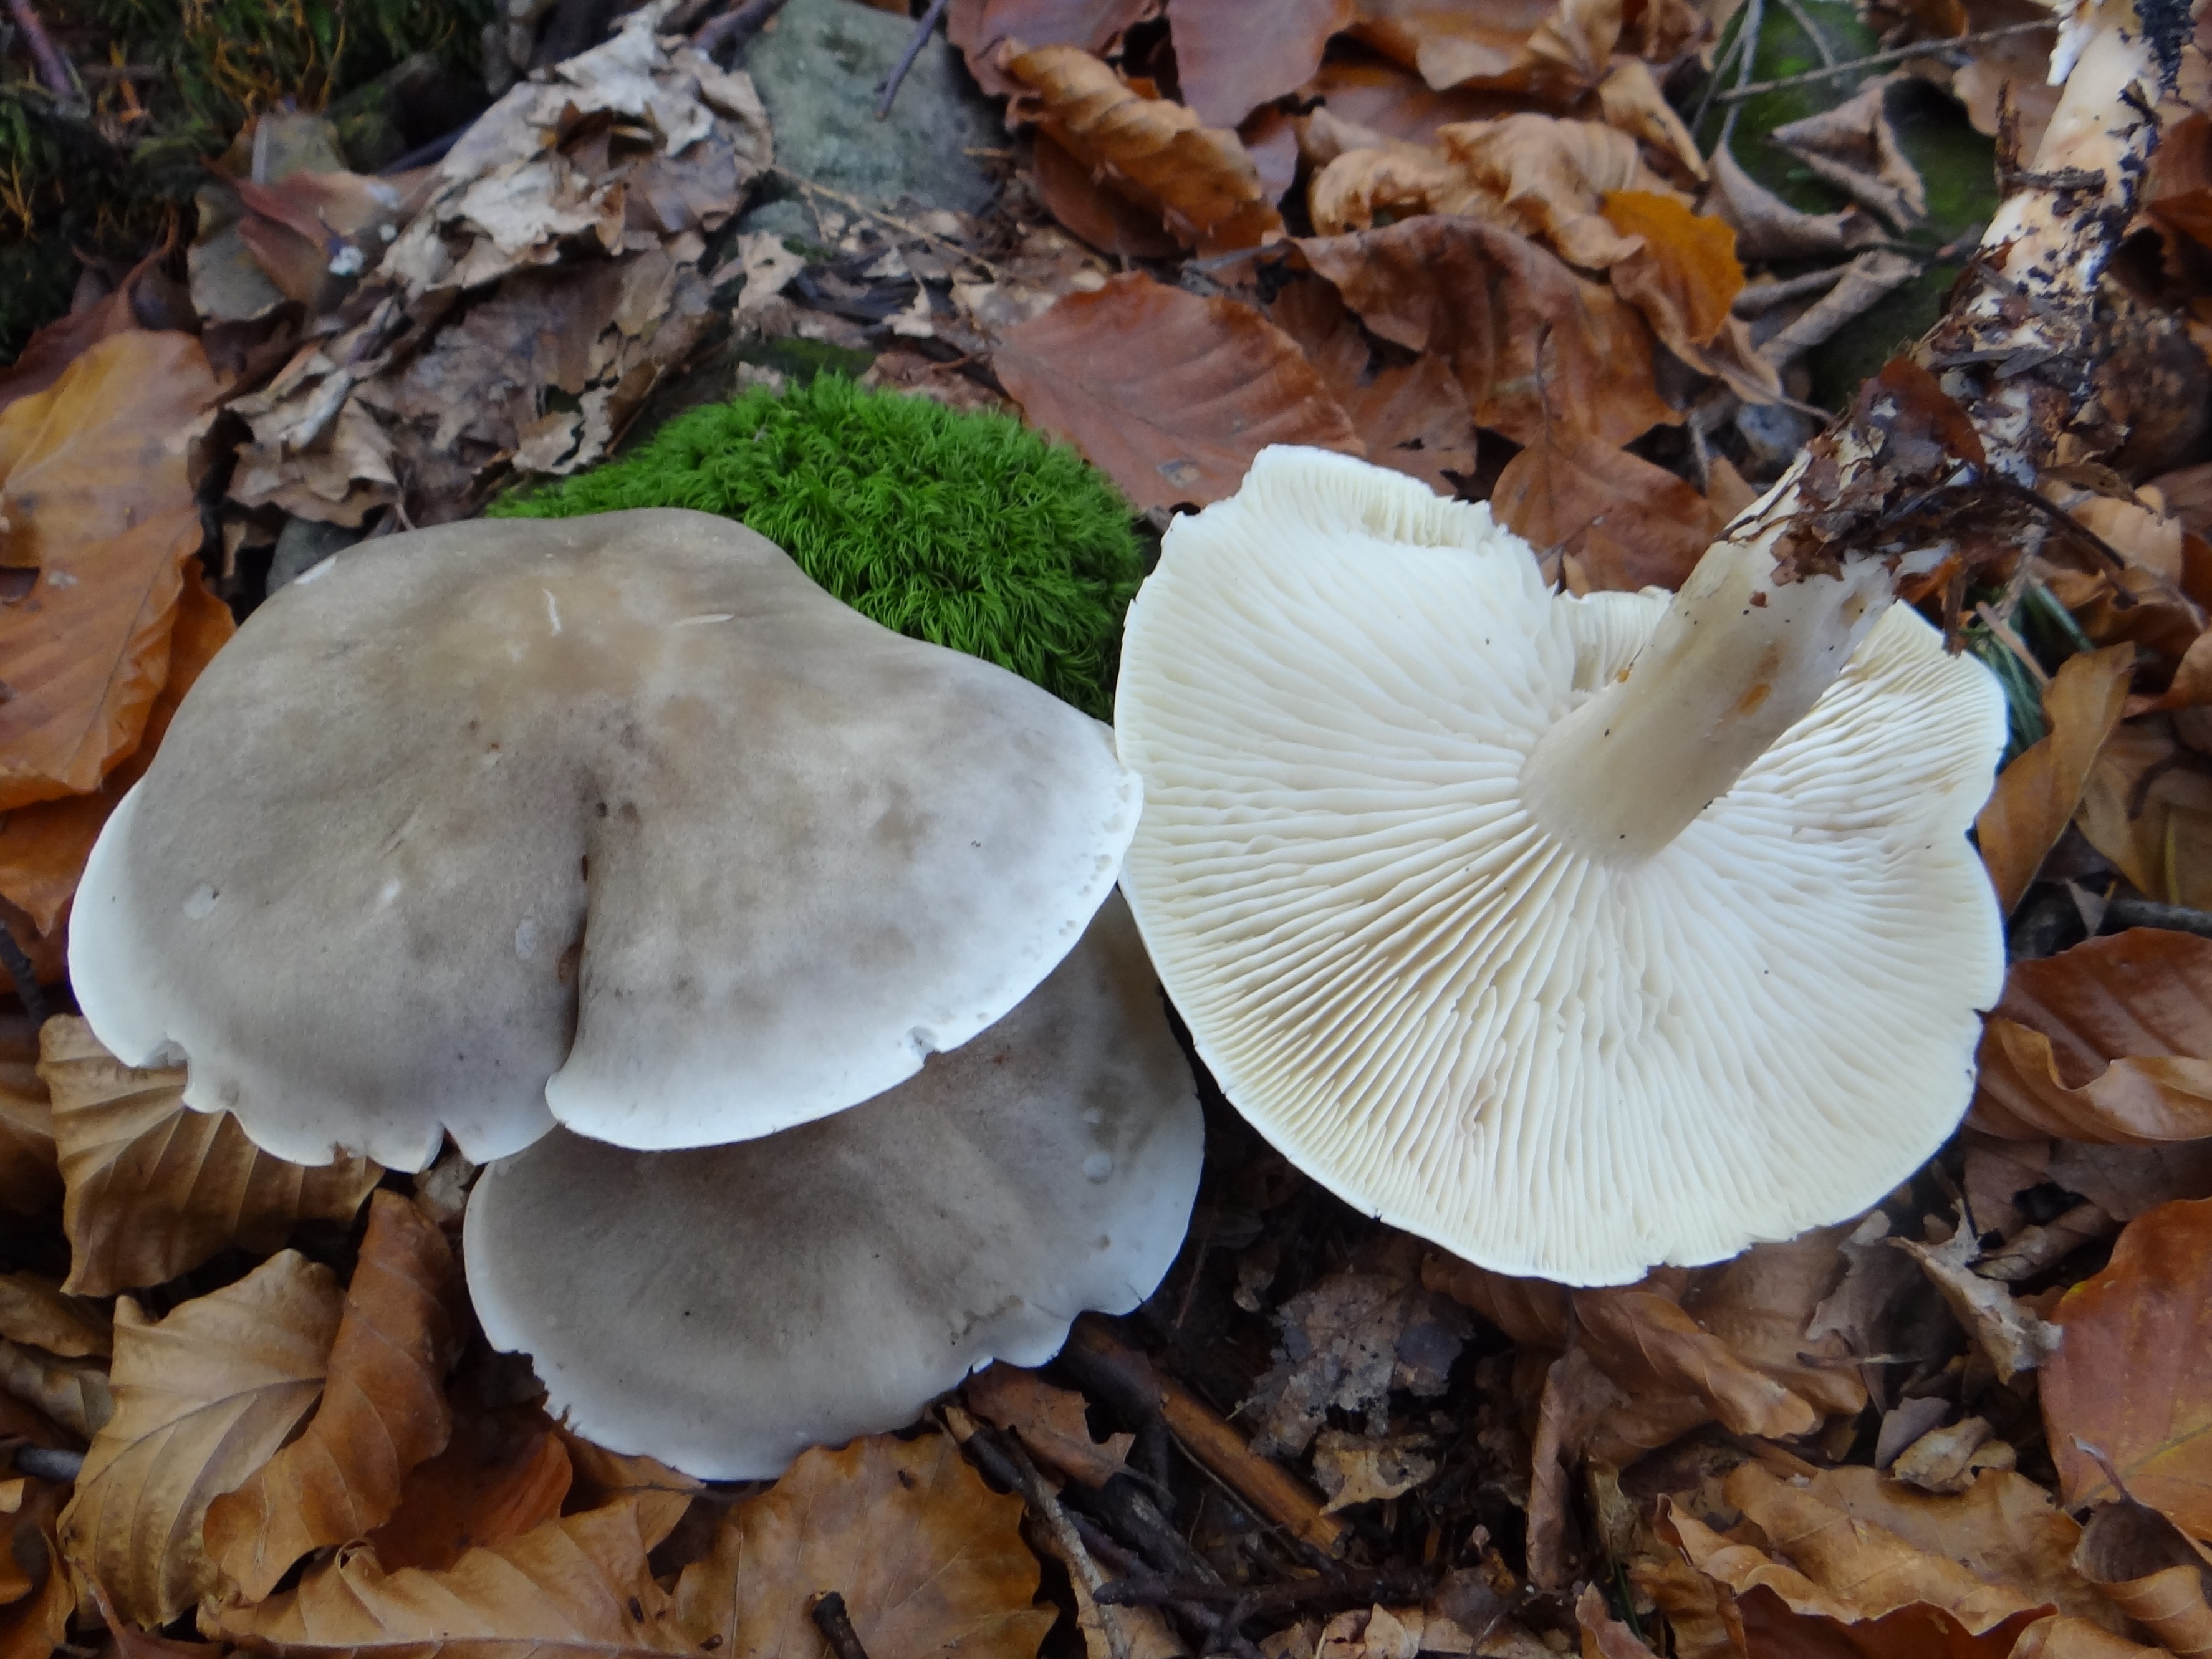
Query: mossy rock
[[968, 531]]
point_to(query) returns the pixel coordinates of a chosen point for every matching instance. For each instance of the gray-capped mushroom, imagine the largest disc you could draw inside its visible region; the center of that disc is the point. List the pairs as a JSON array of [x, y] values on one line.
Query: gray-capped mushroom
[[619, 821], [1567, 1006], [725, 1308]]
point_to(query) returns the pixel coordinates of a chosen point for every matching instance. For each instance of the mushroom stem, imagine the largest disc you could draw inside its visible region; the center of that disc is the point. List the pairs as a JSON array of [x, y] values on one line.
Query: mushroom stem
[[1759, 631]]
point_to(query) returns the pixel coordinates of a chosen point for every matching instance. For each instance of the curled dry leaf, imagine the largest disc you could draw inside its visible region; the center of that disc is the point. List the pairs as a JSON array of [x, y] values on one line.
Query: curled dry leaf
[[599, 1476], [1645, 1340], [35, 1310], [2149, 808], [1684, 276], [155, 1187], [1558, 47], [30, 1174], [500, 1474], [43, 847], [1358, 1468], [201, 1399], [2011, 1335], [1169, 395], [36, 1596], [2110, 1041], [928, 1559], [980, 28], [94, 496], [1227, 67], [574, 1587], [2037, 796], [1051, 1421], [1201, 179], [1854, 148], [2142, 1563], [74, 1393], [1626, 523], [2129, 1394], [1532, 343], [1092, 208], [1552, 175], [1346, 1344], [1768, 227], [383, 1410]]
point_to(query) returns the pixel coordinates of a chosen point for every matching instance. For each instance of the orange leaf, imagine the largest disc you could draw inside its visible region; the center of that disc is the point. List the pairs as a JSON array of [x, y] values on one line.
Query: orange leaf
[[1411, 418], [2133, 1379], [1169, 395], [2110, 1041], [1052, 1422], [94, 495], [497, 1480], [1201, 179], [1099, 214], [1627, 523], [2037, 796], [1533, 343], [1685, 275], [43, 847], [383, 1410], [928, 1559]]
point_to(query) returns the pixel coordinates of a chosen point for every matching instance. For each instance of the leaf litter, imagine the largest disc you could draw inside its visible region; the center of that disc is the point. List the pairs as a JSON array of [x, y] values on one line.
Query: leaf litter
[[1491, 247]]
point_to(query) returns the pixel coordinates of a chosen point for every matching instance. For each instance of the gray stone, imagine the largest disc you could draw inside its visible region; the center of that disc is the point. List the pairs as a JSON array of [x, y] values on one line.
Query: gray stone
[[302, 544], [818, 70]]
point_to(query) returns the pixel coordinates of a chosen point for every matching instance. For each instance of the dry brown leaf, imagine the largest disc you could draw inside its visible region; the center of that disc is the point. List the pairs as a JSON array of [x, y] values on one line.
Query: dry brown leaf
[[980, 28], [155, 1187], [1347, 1343], [2109, 1042], [579, 1586], [1169, 395], [2130, 1391], [43, 847], [1560, 48], [1201, 179], [1604, 1636], [1389, 181], [94, 496], [1645, 1340], [1629, 98], [30, 1175], [1577, 1395], [1768, 227], [1854, 148], [2061, 1638], [2147, 807], [146, 298], [201, 1399], [1684, 277], [1229, 63], [2013, 1337], [36, 1620], [74, 1393], [500, 1474], [383, 1410], [1762, 1304], [2144, 1564], [1358, 1469], [599, 1477], [1411, 418], [2037, 796], [928, 1559], [34, 1310], [1101, 215], [1394, 102], [1552, 175], [1533, 343], [1626, 523], [1534, 1312], [1050, 1422]]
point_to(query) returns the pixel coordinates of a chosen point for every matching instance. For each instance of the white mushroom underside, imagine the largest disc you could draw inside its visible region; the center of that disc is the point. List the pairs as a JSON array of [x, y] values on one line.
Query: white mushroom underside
[[725, 1308], [1550, 1066]]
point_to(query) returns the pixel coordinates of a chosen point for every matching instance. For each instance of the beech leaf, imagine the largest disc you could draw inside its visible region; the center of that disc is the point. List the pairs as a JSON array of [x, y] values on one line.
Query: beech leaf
[[2037, 796], [155, 1187], [201, 1399], [30, 1174], [1626, 523], [1228, 67], [497, 1478], [383, 1410]]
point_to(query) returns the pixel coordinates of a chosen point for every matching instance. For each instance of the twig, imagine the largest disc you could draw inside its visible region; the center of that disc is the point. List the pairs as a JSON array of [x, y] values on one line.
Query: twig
[[54, 67], [1754, 19], [2012, 642], [1810, 30], [916, 42], [2124, 913], [852, 204], [27, 990], [736, 25], [830, 1617], [1398, 1584], [1721, 65], [1894, 55]]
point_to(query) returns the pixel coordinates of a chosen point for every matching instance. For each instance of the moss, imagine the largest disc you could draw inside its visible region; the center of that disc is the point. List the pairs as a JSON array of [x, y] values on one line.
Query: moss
[[968, 531]]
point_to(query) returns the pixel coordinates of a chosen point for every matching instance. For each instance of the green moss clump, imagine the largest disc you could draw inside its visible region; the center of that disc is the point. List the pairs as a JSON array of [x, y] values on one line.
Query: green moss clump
[[968, 531]]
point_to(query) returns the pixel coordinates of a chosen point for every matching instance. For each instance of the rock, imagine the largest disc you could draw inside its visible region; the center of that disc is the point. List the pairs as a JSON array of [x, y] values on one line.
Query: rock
[[818, 70]]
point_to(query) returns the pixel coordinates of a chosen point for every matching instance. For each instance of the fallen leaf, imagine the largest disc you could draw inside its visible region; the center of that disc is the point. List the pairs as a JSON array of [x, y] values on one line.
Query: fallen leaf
[[1685, 277], [1346, 1344], [1767, 227], [1626, 523], [2037, 796], [1050, 1422], [94, 496], [578, 1586], [2147, 807], [1560, 48], [928, 1559], [43, 847], [201, 1399], [383, 1410], [2129, 1394], [1763, 1304], [1227, 68], [2126, 1181], [1358, 1468], [2142, 1563], [1534, 1312], [1783, 339], [501, 1474], [1394, 102], [2109, 1042], [1948, 1460], [980, 28], [1577, 1396], [599, 1476], [1553, 175], [1101, 215], [1854, 146], [34, 1310], [155, 1187], [30, 1174], [146, 298], [2013, 1337], [1629, 98], [1169, 395], [1646, 1342], [74, 1393], [1532, 343], [1604, 1636], [37, 1621], [1201, 179]]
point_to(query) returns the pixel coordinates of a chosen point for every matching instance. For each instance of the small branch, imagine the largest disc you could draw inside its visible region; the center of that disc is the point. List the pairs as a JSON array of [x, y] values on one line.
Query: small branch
[[2124, 913], [916, 42], [736, 25], [54, 68], [830, 1617], [853, 204], [1894, 55]]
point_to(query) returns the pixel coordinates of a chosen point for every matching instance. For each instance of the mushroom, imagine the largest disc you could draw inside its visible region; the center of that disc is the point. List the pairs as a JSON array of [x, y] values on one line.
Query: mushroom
[[1564, 1005], [723, 1309], [619, 821]]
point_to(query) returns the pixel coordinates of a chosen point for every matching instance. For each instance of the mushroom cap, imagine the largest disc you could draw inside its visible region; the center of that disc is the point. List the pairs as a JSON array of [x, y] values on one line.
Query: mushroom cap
[[1548, 1065], [619, 821], [725, 1308]]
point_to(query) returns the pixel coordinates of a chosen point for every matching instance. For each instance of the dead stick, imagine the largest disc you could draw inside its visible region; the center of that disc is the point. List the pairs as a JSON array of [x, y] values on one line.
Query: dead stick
[[1876, 60], [922, 31], [53, 68], [736, 25], [835, 1624]]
